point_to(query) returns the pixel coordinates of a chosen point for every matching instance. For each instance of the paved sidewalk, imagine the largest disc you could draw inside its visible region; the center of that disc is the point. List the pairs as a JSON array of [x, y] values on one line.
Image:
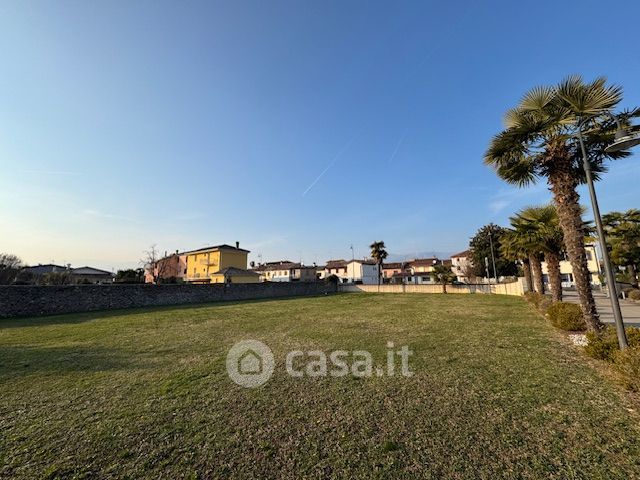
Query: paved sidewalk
[[630, 310]]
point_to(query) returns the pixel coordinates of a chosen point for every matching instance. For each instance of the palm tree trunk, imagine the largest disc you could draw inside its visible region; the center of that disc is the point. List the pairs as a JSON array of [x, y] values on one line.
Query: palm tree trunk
[[536, 270], [528, 280], [444, 287], [633, 274], [555, 279], [563, 185]]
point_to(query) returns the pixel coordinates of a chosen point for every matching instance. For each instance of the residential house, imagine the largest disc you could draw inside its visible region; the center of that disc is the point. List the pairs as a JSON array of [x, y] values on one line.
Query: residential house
[[415, 271], [354, 271], [365, 271], [337, 268], [169, 268], [461, 265], [85, 274], [390, 269], [286, 271], [219, 264], [91, 275], [40, 269], [419, 270]]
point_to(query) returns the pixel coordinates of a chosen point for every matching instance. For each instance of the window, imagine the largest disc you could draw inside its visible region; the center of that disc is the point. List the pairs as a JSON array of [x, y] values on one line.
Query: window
[[589, 256]]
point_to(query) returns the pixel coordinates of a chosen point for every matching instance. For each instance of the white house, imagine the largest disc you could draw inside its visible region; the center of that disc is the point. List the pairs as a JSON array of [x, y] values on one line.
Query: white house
[[460, 265], [286, 271], [365, 271], [354, 271]]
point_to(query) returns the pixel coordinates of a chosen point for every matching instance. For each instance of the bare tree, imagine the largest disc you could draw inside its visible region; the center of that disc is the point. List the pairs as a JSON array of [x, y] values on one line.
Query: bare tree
[[469, 273], [154, 264], [10, 266]]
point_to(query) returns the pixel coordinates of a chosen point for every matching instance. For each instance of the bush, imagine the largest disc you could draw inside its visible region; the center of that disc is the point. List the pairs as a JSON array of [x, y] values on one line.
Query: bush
[[333, 279], [604, 345], [634, 294], [567, 316], [601, 346], [627, 364]]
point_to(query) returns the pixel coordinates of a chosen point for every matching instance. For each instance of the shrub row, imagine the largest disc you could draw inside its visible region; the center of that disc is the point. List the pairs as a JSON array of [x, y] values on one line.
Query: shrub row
[[604, 346], [601, 345], [567, 316]]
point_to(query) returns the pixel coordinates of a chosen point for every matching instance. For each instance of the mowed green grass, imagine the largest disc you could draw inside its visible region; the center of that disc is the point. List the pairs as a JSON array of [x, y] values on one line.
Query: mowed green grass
[[145, 394]]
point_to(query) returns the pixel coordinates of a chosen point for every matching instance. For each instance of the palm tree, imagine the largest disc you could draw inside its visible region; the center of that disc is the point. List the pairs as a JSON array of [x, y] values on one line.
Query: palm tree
[[442, 274], [515, 246], [540, 227], [539, 141], [379, 254]]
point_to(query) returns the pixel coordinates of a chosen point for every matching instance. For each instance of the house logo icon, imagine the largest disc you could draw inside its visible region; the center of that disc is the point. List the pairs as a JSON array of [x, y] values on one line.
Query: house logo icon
[[250, 363]]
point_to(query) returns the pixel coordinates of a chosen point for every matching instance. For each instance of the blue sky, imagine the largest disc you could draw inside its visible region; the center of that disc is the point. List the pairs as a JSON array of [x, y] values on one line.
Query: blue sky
[[297, 128]]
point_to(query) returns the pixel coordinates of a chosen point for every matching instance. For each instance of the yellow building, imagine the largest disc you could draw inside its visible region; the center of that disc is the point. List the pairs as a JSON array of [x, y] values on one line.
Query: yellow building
[[219, 264]]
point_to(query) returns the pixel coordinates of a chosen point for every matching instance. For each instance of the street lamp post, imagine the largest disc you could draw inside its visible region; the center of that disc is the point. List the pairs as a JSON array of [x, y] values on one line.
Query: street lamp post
[[622, 141], [493, 257]]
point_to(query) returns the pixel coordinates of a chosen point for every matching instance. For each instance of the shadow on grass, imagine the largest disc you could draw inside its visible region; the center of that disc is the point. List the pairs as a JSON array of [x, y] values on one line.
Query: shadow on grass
[[71, 318], [24, 360]]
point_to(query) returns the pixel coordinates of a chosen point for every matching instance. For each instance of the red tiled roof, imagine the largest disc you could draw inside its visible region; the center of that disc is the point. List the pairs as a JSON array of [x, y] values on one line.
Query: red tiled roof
[[336, 264], [423, 262]]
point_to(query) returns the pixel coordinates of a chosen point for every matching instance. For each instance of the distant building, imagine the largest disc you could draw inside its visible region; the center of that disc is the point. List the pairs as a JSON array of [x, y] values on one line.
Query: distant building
[[91, 275], [170, 267], [366, 272], [566, 270], [39, 270], [391, 269], [460, 265], [337, 268], [86, 274], [416, 271], [219, 264], [353, 271], [286, 271], [235, 275]]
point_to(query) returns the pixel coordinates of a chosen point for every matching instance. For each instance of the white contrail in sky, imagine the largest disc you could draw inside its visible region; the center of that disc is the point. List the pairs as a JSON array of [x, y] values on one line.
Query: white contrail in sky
[[331, 164], [51, 172], [395, 150]]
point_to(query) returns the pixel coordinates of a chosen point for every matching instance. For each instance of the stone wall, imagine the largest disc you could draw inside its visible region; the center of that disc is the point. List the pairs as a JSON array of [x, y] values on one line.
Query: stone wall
[[26, 301]]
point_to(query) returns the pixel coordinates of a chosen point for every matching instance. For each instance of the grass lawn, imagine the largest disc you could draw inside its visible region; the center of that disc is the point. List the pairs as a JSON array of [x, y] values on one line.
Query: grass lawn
[[145, 394]]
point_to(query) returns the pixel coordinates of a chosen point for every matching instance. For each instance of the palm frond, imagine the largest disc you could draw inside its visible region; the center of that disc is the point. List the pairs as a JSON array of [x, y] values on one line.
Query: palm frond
[[537, 99], [588, 99]]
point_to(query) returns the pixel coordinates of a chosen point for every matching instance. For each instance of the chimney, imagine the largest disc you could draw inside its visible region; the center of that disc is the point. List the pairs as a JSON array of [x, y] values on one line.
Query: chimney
[[237, 244]]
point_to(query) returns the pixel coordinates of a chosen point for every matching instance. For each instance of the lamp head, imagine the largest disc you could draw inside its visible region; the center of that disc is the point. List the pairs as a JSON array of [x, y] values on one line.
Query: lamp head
[[623, 140]]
